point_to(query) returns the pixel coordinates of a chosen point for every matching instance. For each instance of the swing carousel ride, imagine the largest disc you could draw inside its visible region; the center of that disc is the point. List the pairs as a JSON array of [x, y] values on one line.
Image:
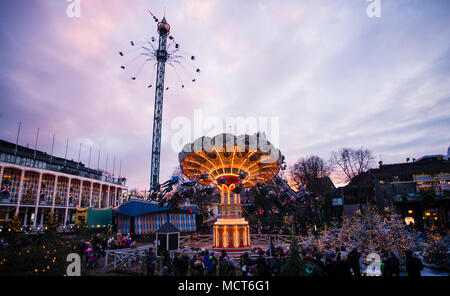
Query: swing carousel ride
[[231, 164]]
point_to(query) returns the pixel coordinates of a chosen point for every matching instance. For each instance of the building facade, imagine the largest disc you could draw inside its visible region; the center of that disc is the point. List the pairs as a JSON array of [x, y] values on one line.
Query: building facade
[[34, 183], [418, 189]]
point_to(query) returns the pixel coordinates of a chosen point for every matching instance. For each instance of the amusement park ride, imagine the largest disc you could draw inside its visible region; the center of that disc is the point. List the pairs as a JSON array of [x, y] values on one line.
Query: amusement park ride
[[168, 51], [229, 163]]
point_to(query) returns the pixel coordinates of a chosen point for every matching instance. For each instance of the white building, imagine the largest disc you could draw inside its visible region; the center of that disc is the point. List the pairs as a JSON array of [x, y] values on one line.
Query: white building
[[33, 183]]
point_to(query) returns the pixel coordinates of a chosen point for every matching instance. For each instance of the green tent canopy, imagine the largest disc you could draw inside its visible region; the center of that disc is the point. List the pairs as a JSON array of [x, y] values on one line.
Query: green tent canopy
[[99, 217]]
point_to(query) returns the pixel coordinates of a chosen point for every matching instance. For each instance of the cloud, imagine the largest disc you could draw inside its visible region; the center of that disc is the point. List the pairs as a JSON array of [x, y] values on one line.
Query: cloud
[[333, 76]]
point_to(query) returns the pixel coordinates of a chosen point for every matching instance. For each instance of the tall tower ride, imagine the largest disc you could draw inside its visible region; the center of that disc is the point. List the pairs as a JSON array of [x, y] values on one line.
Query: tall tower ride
[[167, 52], [161, 57]]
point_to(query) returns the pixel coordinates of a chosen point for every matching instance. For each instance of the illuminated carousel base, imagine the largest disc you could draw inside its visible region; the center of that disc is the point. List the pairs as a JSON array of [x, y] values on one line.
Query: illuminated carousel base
[[231, 234]]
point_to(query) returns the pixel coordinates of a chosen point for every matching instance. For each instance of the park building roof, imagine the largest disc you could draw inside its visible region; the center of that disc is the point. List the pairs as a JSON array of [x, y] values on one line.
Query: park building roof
[[137, 208], [427, 165], [168, 228]]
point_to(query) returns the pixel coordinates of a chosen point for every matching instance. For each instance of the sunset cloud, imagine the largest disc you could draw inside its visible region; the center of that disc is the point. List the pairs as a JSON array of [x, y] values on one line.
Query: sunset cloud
[[332, 75]]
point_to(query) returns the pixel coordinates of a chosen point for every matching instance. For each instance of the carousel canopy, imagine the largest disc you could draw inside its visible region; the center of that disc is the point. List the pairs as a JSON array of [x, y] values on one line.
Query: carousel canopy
[[252, 159]]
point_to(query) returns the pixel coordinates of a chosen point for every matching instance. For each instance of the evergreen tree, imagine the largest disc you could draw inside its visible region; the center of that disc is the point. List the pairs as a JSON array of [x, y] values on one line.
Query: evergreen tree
[[15, 224], [51, 221], [294, 266], [369, 233]]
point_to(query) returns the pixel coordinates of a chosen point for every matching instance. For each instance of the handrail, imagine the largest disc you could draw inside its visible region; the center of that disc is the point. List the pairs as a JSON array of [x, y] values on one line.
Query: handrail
[[277, 239]]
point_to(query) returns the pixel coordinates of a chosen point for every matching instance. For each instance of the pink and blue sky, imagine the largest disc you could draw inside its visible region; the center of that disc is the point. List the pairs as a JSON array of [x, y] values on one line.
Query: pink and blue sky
[[333, 76]]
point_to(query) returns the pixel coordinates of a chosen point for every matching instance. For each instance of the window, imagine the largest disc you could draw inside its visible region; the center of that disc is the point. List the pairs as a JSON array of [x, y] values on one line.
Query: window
[[409, 220]]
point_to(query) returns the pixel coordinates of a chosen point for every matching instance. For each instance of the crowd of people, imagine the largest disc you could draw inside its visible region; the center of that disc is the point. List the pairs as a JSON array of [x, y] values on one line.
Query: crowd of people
[[91, 251], [341, 263], [280, 230]]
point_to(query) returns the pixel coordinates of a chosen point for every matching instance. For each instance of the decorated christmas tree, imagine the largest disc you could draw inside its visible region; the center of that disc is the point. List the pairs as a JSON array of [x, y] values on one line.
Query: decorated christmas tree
[[82, 222], [369, 233], [434, 249], [51, 221], [15, 224]]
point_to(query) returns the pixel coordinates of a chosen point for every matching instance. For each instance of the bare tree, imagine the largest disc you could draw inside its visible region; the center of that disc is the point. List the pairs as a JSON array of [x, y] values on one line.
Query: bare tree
[[352, 162], [309, 170]]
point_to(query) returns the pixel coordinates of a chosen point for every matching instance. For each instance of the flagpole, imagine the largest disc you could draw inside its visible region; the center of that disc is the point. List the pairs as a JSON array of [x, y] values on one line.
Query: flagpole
[[53, 145], [35, 145], [114, 166], [106, 168], [90, 152], [17, 141], [98, 160], [79, 155], [65, 156]]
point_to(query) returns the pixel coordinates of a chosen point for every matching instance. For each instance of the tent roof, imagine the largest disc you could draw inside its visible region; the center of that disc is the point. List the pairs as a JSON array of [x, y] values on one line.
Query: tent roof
[[167, 228], [99, 217], [136, 208]]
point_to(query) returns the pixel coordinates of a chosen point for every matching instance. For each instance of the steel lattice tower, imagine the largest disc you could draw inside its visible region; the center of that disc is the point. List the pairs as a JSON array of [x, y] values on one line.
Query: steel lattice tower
[[159, 56], [162, 55]]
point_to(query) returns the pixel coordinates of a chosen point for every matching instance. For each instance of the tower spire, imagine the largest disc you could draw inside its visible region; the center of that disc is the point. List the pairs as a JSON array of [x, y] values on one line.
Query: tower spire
[[161, 56]]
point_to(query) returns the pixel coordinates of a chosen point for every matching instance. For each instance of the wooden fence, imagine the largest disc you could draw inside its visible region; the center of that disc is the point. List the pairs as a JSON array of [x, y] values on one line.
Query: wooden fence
[[126, 260]]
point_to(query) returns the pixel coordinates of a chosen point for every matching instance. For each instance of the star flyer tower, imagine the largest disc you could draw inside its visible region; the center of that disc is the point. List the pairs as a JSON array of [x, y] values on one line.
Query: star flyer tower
[[167, 52], [231, 163], [161, 57]]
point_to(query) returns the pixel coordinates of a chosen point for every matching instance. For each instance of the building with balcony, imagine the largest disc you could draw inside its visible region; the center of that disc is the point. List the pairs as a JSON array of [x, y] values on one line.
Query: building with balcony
[[418, 189], [33, 183]]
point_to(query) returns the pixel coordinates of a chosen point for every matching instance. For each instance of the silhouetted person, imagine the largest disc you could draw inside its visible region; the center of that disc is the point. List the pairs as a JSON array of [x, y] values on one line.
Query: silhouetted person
[[391, 265], [353, 260], [151, 262], [180, 265], [413, 265]]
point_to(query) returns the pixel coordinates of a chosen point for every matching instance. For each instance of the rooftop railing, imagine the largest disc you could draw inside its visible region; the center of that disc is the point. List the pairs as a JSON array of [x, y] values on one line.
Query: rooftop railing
[[70, 168]]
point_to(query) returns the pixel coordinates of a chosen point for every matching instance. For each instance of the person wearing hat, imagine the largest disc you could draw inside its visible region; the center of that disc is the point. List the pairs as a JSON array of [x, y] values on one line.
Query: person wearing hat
[[208, 262]]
